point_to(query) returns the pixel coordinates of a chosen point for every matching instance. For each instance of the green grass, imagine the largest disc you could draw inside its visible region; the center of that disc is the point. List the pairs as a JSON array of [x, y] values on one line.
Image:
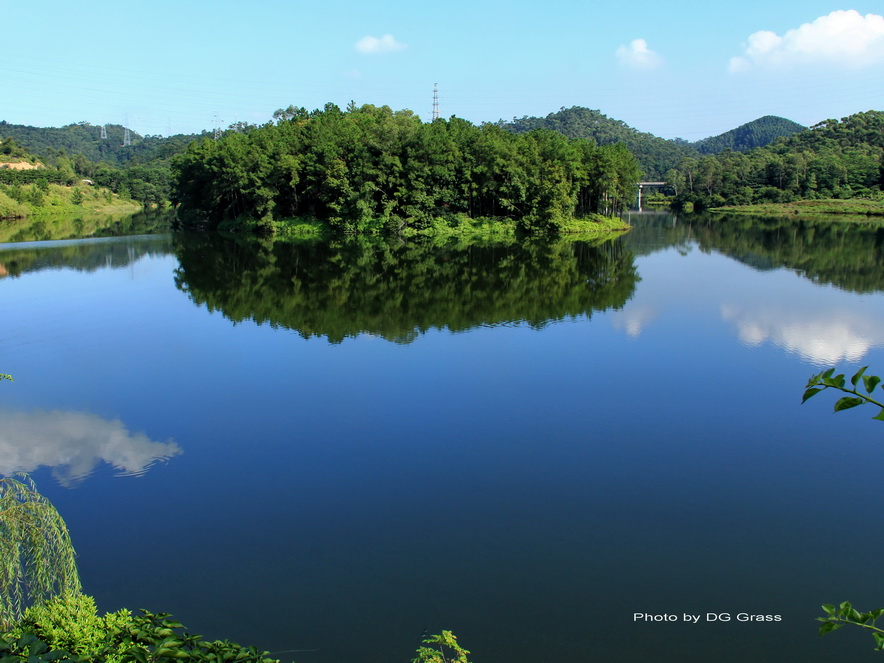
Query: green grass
[[595, 226]]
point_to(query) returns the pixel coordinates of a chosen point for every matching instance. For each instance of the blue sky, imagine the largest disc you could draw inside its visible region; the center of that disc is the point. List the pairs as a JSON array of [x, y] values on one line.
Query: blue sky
[[675, 68]]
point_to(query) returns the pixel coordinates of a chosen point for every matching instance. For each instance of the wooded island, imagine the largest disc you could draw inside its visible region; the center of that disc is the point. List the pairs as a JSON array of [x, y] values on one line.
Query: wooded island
[[372, 169]]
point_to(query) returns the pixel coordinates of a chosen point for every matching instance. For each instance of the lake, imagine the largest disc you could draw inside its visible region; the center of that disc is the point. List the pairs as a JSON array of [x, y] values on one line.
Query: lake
[[327, 450]]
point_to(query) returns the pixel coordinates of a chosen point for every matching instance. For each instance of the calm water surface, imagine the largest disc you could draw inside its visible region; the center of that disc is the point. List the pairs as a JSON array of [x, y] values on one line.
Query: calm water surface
[[333, 448]]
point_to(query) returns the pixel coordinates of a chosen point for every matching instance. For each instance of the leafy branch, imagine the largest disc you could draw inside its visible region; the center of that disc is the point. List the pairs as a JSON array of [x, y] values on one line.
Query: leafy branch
[[845, 613], [445, 640], [826, 380], [836, 617]]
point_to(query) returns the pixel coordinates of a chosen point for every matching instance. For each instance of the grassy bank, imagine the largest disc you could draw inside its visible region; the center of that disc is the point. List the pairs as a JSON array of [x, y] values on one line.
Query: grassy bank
[[596, 226], [27, 201], [854, 208]]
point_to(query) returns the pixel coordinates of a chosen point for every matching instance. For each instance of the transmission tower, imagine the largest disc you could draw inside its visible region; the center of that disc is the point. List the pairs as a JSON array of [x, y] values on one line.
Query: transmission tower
[[217, 127], [103, 132], [127, 138], [435, 101]]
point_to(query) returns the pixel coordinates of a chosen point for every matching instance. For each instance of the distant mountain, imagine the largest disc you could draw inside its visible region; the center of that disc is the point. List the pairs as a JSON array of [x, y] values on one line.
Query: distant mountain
[[656, 155], [758, 133]]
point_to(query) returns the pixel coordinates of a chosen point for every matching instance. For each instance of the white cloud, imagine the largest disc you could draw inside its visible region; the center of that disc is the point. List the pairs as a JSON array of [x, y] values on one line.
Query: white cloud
[[73, 443], [384, 44], [844, 38], [638, 55]]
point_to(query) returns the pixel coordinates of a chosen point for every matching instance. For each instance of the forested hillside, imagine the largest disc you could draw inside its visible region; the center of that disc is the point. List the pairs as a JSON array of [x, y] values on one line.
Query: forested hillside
[[758, 133], [832, 159], [85, 139], [655, 155], [139, 170], [371, 168]]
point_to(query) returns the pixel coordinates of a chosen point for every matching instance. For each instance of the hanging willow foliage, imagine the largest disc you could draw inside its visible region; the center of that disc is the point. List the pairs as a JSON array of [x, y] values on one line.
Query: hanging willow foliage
[[36, 554]]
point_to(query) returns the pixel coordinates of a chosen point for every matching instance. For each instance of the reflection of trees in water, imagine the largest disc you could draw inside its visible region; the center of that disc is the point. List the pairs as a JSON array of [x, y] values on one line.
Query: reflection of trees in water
[[655, 231], [400, 290], [847, 255], [57, 227], [83, 256]]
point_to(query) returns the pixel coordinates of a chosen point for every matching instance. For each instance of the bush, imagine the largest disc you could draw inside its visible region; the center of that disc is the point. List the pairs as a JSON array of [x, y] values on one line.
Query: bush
[[71, 622], [68, 628]]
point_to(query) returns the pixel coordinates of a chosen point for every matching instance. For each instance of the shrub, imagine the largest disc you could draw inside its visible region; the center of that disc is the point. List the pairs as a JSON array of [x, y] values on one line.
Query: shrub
[[71, 622], [68, 628]]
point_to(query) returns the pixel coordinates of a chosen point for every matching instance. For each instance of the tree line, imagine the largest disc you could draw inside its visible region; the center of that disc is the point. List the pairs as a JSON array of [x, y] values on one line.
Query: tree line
[[371, 168]]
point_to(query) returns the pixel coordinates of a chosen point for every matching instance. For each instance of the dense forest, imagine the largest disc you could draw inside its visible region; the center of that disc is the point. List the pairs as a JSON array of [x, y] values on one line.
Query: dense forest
[[371, 168], [833, 159]]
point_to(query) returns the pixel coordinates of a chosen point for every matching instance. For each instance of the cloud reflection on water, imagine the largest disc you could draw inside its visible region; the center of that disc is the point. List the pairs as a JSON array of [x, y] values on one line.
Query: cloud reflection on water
[[821, 324], [824, 339], [74, 443], [634, 320]]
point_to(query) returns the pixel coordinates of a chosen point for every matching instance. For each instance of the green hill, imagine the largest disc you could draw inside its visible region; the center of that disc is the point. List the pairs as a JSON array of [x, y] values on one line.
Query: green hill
[[655, 155], [758, 133]]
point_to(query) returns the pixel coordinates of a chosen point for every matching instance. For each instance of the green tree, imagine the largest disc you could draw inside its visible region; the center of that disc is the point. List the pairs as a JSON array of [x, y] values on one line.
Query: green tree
[[36, 554]]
